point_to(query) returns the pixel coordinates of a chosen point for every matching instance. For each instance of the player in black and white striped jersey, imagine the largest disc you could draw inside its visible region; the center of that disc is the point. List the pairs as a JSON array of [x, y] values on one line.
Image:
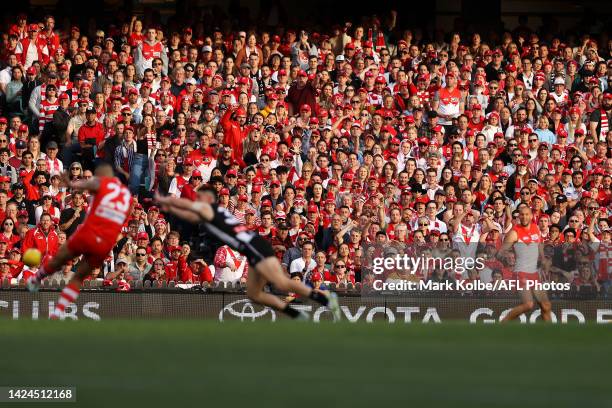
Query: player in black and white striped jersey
[[266, 268]]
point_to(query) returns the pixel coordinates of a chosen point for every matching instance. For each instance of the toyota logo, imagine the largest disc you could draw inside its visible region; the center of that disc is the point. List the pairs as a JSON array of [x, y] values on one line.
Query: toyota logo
[[244, 309]]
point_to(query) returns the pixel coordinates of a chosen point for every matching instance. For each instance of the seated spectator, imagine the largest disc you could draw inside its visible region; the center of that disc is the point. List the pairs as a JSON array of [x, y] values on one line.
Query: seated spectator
[[156, 273], [140, 267]]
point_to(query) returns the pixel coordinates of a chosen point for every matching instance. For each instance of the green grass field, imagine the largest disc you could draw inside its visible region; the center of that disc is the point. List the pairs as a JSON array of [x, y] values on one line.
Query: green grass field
[[211, 364]]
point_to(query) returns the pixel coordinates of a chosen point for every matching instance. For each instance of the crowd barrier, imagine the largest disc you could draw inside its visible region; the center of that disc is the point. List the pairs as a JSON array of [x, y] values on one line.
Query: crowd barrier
[[224, 303]]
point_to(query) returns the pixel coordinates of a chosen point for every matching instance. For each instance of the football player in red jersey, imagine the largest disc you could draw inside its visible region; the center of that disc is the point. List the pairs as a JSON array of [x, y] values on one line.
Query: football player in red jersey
[[266, 268], [95, 238], [526, 240]]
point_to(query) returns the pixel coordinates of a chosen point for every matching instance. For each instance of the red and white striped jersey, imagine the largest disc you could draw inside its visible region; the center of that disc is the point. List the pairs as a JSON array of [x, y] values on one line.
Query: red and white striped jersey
[[47, 109]]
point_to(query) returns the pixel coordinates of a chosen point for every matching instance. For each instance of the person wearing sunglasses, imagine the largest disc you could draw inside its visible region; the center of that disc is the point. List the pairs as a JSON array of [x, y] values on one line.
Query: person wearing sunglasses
[[140, 267], [9, 234], [444, 240], [340, 274]]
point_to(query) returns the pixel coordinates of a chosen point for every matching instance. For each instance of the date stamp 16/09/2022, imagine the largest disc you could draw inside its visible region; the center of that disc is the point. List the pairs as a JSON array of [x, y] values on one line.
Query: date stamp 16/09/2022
[[37, 394]]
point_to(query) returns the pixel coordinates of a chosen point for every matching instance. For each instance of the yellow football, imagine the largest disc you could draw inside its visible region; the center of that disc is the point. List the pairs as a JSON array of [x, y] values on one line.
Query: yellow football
[[32, 257]]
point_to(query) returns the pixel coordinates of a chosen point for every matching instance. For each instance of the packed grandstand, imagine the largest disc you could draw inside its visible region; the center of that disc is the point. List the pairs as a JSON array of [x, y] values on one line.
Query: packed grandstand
[[366, 140]]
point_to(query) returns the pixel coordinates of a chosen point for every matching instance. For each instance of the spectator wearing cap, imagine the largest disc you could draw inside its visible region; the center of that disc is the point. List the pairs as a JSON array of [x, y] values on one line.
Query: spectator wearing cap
[[493, 68], [271, 103], [32, 48], [560, 94], [46, 207], [189, 190], [47, 107], [274, 195], [233, 124], [5, 267], [39, 94], [31, 82], [120, 270], [54, 165], [180, 180], [302, 92], [18, 199], [240, 209], [448, 102], [91, 133], [56, 128]]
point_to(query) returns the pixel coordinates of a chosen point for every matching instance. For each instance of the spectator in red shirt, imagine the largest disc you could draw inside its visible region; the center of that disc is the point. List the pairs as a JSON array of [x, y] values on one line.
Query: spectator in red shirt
[[90, 135], [235, 131], [43, 237], [302, 92], [189, 191], [200, 270]]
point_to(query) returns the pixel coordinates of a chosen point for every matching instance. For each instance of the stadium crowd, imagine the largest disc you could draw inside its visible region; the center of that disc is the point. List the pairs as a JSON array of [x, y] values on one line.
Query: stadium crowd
[[365, 140]]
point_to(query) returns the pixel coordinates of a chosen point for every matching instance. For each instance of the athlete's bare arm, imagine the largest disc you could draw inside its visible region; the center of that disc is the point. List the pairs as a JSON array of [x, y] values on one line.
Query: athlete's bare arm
[[509, 240], [182, 214], [92, 185], [192, 211]]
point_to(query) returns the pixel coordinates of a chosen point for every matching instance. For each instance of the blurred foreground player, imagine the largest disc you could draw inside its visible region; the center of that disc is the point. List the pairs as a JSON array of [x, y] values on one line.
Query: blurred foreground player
[[94, 239], [266, 268], [526, 240]]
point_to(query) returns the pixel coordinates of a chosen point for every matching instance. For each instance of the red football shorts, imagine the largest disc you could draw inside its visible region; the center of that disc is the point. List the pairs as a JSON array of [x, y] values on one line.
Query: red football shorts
[[94, 248], [523, 277]]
